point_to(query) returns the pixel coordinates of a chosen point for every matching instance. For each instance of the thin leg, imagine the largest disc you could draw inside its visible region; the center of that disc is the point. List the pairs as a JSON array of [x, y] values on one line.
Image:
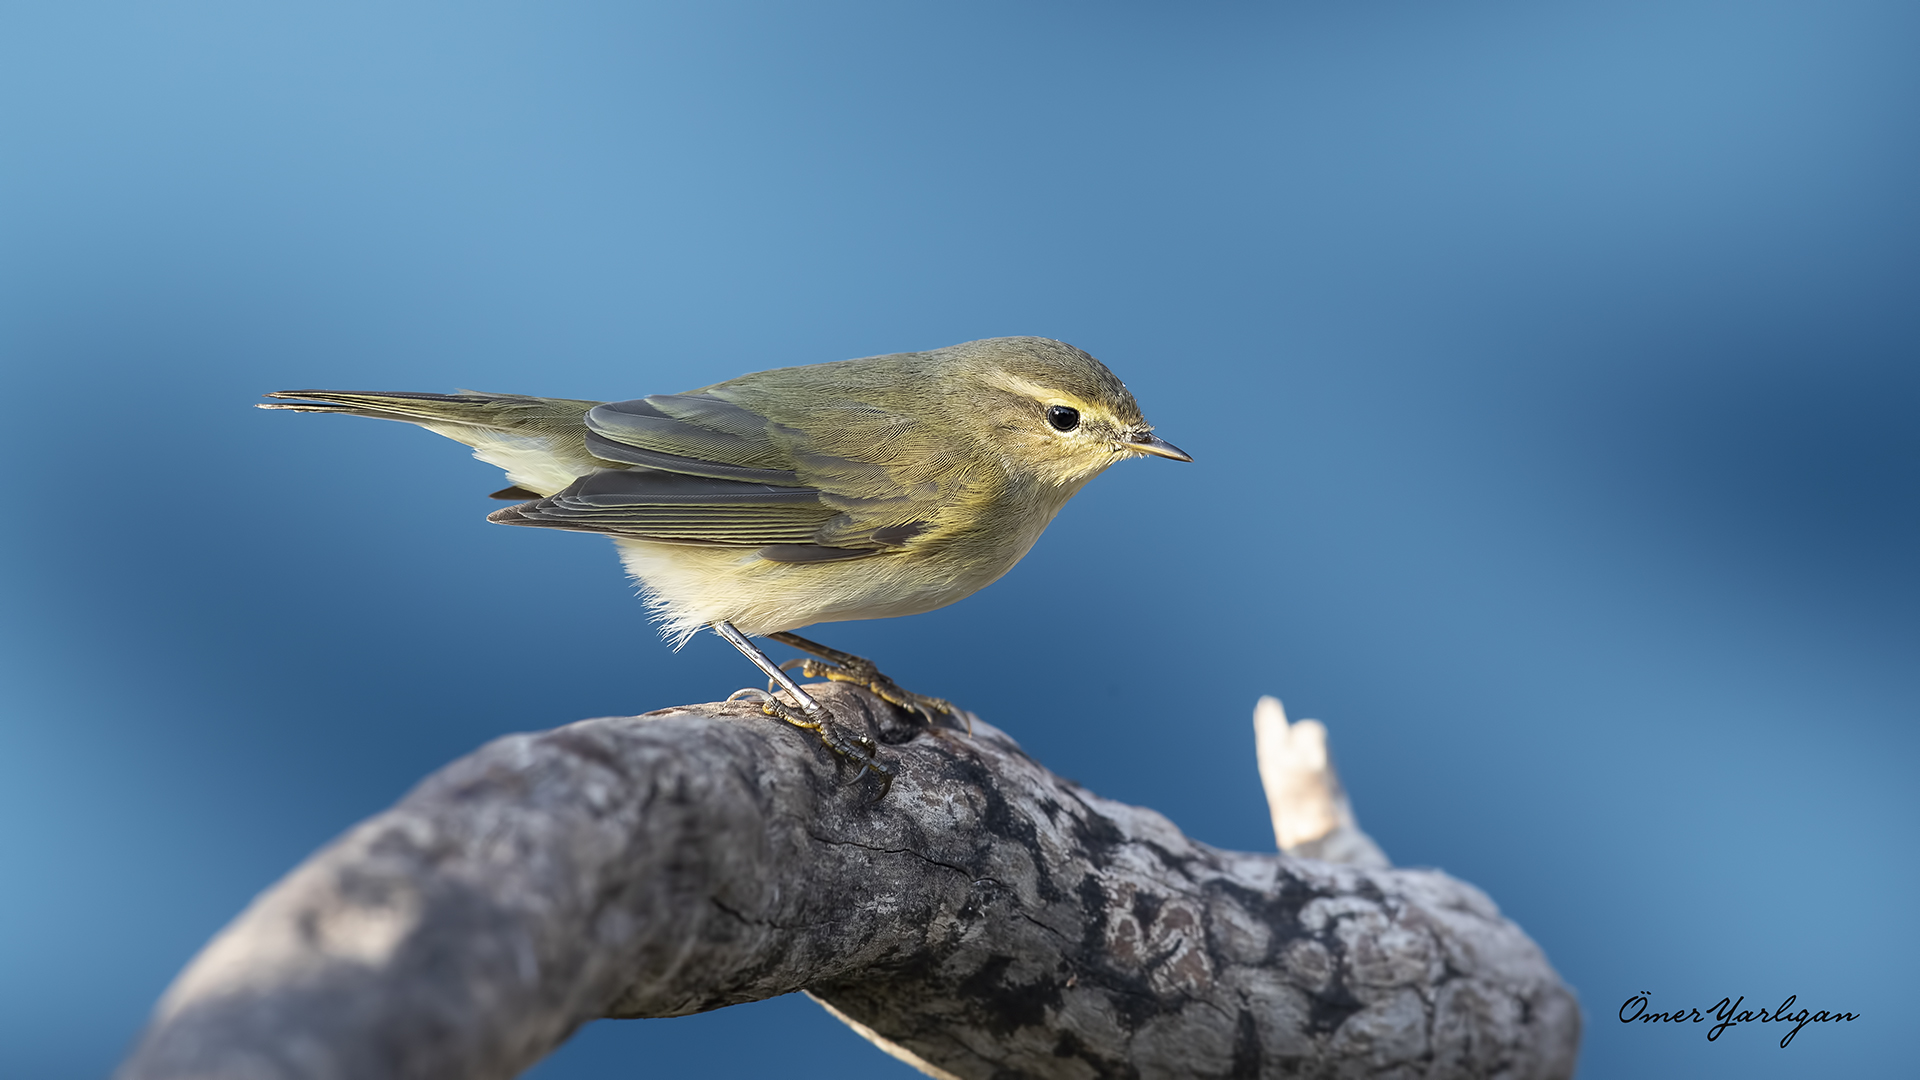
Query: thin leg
[[760, 660], [848, 668], [813, 716]]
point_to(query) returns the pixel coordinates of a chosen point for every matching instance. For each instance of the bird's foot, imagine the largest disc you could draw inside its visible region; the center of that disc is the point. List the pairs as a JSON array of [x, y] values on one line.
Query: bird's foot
[[858, 749], [836, 666]]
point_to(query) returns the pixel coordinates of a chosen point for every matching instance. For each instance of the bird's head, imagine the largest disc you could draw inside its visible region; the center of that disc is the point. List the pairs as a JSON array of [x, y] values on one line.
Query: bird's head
[[1051, 411]]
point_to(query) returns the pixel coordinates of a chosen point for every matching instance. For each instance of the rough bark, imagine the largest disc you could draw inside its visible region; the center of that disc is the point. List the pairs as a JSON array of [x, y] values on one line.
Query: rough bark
[[985, 919]]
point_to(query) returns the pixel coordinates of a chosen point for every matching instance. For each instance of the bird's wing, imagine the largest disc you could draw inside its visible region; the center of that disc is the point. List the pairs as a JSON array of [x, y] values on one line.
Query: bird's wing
[[708, 470], [694, 434], [653, 504]]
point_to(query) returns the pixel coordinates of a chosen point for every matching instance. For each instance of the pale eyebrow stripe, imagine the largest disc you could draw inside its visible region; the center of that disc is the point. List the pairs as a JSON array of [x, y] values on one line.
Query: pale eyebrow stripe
[[1029, 388]]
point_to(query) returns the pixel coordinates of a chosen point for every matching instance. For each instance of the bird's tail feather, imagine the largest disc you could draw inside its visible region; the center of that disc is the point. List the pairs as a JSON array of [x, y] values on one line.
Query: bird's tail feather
[[540, 442], [500, 411]]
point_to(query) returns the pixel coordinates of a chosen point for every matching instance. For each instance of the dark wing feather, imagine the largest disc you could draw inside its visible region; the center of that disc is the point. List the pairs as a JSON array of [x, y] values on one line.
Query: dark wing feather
[[677, 508], [691, 426], [813, 553], [612, 450]]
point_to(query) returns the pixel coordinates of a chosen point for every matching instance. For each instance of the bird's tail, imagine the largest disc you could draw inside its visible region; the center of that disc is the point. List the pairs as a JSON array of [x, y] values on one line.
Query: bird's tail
[[468, 408], [540, 442]]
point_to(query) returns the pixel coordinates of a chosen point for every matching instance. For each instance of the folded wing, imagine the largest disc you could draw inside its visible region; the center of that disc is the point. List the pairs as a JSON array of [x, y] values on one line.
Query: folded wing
[[701, 469]]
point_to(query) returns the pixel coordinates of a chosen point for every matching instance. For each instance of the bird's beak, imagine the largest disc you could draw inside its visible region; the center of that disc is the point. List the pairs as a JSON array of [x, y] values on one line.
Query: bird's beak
[[1146, 442]]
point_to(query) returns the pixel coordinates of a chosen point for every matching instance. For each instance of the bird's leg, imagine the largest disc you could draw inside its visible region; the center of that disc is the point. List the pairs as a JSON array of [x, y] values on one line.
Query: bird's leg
[[811, 715], [838, 666]]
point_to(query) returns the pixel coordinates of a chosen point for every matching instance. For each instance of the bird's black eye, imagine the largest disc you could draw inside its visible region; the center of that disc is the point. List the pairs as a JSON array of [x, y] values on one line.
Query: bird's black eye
[[1062, 418]]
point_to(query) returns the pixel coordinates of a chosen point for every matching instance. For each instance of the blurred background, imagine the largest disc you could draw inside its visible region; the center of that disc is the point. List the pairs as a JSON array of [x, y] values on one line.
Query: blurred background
[[1553, 376]]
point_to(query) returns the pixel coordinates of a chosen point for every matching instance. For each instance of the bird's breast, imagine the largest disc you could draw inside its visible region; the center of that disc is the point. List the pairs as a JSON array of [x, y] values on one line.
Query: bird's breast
[[976, 542]]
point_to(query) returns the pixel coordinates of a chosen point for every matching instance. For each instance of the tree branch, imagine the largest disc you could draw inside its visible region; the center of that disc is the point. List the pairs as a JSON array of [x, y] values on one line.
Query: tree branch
[[986, 918]]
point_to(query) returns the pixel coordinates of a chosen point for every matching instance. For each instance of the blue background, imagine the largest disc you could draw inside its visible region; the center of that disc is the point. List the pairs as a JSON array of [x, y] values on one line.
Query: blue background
[[1552, 373]]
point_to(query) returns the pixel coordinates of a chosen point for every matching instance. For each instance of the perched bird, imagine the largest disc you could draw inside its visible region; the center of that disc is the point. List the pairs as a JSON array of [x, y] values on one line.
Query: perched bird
[[861, 489]]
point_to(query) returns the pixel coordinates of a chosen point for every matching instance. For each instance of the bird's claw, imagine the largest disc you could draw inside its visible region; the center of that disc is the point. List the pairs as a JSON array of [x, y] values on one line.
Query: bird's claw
[[836, 666], [862, 673], [859, 749]]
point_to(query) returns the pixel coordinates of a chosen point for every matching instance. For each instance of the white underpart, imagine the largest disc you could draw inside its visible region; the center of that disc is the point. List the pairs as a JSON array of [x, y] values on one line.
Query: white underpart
[[689, 587], [528, 460]]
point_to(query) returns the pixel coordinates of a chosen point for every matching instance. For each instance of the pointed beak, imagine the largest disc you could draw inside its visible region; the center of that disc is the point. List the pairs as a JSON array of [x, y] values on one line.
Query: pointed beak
[[1148, 443]]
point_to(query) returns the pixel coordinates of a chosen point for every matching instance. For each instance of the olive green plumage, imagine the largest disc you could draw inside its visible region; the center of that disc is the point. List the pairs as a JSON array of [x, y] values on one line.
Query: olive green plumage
[[866, 488]]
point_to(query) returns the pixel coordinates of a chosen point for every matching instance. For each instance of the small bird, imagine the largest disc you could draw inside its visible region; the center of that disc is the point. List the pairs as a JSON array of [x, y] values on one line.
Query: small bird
[[860, 489]]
